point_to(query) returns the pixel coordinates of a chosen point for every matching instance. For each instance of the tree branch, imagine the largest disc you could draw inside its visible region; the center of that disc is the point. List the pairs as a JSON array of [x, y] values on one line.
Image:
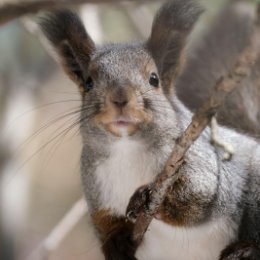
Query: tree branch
[[11, 11], [199, 122], [60, 232]]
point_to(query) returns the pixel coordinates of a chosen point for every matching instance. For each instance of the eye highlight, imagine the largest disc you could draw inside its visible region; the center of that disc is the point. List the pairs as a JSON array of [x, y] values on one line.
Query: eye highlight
[[88, 85], [154, 80]]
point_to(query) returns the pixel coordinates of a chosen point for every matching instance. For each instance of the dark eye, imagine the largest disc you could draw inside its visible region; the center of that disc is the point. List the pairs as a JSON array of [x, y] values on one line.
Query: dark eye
[[154, 80], [88, 85]]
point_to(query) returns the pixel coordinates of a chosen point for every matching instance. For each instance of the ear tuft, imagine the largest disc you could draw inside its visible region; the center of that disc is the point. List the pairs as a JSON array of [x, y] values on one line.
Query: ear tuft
[[69, 38], [171, 26]]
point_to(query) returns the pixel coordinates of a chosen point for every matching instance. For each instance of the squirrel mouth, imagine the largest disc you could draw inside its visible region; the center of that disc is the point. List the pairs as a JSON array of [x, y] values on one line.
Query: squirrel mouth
[[122, 126], [121, 123]]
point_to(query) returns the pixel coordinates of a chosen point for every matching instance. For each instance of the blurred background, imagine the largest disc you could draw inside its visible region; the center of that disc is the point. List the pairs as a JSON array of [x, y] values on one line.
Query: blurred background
[[39, 142]]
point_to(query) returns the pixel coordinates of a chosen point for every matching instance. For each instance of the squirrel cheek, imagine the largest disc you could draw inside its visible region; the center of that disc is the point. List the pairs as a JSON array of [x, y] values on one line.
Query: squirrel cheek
[[131, 129]]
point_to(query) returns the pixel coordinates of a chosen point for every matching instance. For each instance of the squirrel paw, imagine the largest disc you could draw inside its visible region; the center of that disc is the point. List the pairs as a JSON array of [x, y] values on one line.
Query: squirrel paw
[[139, 202], [241, 251]]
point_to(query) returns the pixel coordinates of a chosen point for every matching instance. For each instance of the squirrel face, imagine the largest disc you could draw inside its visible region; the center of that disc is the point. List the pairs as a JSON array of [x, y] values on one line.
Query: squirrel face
[[125, 89]]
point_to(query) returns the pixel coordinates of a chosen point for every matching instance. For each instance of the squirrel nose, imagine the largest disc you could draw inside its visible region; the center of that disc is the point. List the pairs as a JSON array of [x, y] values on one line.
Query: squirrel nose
[[120, 103], [119, 98]]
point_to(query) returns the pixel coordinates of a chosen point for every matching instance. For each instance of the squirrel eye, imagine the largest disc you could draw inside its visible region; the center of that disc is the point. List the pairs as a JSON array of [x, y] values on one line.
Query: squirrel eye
[[88, 85], [154, 80]]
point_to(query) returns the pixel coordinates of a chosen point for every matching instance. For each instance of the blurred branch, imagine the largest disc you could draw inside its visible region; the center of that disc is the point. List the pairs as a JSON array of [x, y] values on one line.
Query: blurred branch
[[4, 156], [4, 150], [140, 13], [34, 29], [60, 232], [10, 11], [199, 122]]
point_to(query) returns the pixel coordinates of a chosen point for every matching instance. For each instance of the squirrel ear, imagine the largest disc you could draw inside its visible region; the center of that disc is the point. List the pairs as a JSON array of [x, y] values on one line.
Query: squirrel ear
[[171, 26], [69, 38]]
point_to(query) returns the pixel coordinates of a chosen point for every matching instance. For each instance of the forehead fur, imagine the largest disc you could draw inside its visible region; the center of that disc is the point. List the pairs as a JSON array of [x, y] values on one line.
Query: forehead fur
[[119, 60]]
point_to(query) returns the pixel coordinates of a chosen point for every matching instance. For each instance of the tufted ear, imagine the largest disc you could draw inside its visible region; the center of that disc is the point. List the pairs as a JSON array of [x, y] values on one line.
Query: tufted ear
[[69, 38], [172, 24]]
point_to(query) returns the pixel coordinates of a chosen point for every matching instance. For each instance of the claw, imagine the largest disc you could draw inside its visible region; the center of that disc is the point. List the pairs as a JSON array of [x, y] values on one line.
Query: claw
[[131, 216]]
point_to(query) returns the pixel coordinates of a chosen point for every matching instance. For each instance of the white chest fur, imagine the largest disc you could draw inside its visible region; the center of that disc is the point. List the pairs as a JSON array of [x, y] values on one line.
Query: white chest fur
[[128, 167], [205, 242]]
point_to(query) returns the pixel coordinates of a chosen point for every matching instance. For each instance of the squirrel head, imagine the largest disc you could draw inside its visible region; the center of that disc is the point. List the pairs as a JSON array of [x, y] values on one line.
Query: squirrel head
[[124, 87]]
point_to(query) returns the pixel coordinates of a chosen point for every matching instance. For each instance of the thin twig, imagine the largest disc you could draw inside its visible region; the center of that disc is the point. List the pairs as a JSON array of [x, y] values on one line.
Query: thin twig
[[199, 122], [11, 11]]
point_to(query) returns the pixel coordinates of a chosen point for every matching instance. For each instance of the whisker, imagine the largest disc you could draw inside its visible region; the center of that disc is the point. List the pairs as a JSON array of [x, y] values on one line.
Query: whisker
[[50, 123], [64, 132], [39, 107]]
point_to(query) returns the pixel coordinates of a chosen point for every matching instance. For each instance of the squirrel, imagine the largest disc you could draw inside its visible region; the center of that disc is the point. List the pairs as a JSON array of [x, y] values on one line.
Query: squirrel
[[130, 120]]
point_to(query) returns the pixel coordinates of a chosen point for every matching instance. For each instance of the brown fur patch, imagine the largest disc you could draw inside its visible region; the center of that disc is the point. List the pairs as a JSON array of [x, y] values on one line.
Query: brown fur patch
[[181, 210], [107, 224], [116, 235]]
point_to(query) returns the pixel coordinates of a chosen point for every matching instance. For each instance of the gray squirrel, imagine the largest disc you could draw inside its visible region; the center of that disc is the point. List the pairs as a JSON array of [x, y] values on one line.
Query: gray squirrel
[[130, 120]]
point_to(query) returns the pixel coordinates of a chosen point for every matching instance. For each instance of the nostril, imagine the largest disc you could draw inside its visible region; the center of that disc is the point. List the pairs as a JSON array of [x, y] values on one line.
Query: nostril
[[120, 103]]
